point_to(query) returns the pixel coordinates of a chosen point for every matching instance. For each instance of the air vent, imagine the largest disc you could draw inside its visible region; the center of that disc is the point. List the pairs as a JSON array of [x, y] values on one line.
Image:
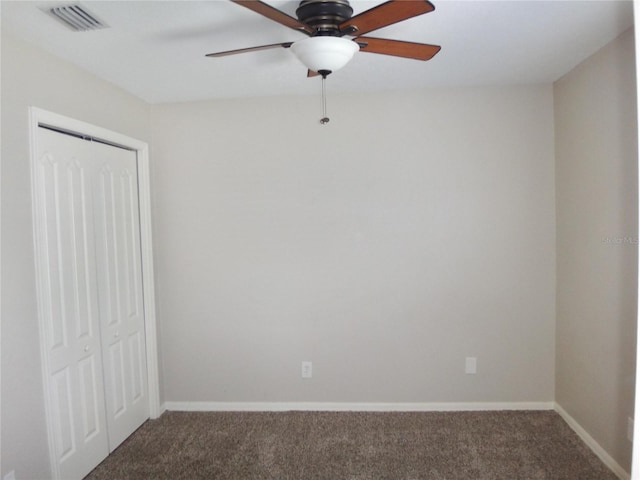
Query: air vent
[[77, 18]]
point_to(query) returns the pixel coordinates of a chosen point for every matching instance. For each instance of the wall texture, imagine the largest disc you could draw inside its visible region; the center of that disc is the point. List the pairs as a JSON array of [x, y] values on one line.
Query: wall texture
[[413, 230], [597, 244], [31, 77]]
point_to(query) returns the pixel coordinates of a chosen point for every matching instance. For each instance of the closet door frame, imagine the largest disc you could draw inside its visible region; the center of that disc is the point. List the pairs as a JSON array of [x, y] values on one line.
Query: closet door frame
[[37, 118]]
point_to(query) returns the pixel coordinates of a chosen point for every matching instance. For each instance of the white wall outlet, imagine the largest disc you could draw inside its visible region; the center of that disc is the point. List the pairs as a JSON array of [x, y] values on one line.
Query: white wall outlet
[[470, 365], [630, 429], [307, 369], [10, 476]]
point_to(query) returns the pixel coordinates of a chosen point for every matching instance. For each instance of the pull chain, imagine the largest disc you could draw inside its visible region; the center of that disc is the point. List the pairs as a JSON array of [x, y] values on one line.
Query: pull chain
[[324, 120]]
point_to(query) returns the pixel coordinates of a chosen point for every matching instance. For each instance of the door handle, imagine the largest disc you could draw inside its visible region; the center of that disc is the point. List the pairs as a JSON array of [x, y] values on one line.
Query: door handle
[[86, 348]]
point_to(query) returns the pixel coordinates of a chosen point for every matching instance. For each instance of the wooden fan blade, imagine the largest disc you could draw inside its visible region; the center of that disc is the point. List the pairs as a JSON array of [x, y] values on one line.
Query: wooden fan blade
[[385, 14], [276, 15], [311, 73], [250, 49], [397, 48]]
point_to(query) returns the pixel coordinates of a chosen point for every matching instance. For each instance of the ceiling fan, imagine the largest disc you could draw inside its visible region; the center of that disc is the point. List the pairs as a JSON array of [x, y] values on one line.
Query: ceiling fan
[[327, 22]]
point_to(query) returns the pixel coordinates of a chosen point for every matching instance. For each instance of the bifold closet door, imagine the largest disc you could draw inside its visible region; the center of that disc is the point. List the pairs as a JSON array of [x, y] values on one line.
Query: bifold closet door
[[91, 297], [119, 269]]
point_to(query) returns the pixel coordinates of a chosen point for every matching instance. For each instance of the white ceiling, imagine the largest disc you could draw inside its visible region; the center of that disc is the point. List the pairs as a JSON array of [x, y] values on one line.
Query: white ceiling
[[155, 49]]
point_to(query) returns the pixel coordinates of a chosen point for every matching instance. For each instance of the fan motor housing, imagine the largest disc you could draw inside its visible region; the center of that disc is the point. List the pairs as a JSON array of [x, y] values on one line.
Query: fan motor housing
[[324, 15]]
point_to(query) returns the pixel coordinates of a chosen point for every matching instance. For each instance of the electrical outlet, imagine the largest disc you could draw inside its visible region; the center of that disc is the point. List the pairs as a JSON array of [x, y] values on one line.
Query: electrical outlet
[[10, 476], [630, 429], [307, 369], [470, 365]]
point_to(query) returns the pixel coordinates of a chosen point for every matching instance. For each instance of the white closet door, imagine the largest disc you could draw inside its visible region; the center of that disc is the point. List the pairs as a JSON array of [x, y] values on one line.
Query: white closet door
[[90, 267], [71, 309], [119, 267]]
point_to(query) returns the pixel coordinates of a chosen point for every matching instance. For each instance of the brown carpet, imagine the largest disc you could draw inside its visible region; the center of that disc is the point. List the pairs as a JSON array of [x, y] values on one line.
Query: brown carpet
[[504, 445]]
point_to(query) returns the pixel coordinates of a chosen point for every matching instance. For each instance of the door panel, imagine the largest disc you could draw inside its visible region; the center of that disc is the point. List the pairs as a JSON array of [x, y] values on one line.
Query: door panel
[[63, 408], [81, 249], [115, 368], [56, 334], [91, 285], [130, 242], [137, 373], [120, 274], [70, 307], [89, 397]]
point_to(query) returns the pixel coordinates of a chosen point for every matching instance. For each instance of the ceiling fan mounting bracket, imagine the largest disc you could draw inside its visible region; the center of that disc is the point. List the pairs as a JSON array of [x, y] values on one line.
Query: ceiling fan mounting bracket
[[325, 16]]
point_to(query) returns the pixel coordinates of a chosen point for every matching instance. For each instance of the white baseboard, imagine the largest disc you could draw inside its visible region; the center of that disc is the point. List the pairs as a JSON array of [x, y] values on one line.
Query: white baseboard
[[352, 407], [601, 453]]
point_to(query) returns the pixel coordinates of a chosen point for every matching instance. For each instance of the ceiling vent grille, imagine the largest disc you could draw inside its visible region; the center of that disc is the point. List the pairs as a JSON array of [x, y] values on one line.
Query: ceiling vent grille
[[77, 17]]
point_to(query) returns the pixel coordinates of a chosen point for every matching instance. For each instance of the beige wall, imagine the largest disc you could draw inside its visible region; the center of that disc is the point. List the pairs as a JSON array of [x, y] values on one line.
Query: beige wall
[[411, 231], [33, 78], [597, 244], [415, 229]]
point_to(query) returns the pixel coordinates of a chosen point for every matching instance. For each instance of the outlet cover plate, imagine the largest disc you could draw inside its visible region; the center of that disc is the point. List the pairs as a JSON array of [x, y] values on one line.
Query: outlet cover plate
[[470, 365], [307, 369]]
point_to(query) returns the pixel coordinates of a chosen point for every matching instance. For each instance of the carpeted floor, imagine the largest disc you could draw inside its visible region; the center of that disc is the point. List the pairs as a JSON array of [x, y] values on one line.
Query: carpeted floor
[[507, 445]]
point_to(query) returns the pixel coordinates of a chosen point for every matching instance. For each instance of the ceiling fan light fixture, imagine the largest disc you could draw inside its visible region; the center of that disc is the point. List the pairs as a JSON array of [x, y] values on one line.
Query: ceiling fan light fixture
[[324, 53]]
